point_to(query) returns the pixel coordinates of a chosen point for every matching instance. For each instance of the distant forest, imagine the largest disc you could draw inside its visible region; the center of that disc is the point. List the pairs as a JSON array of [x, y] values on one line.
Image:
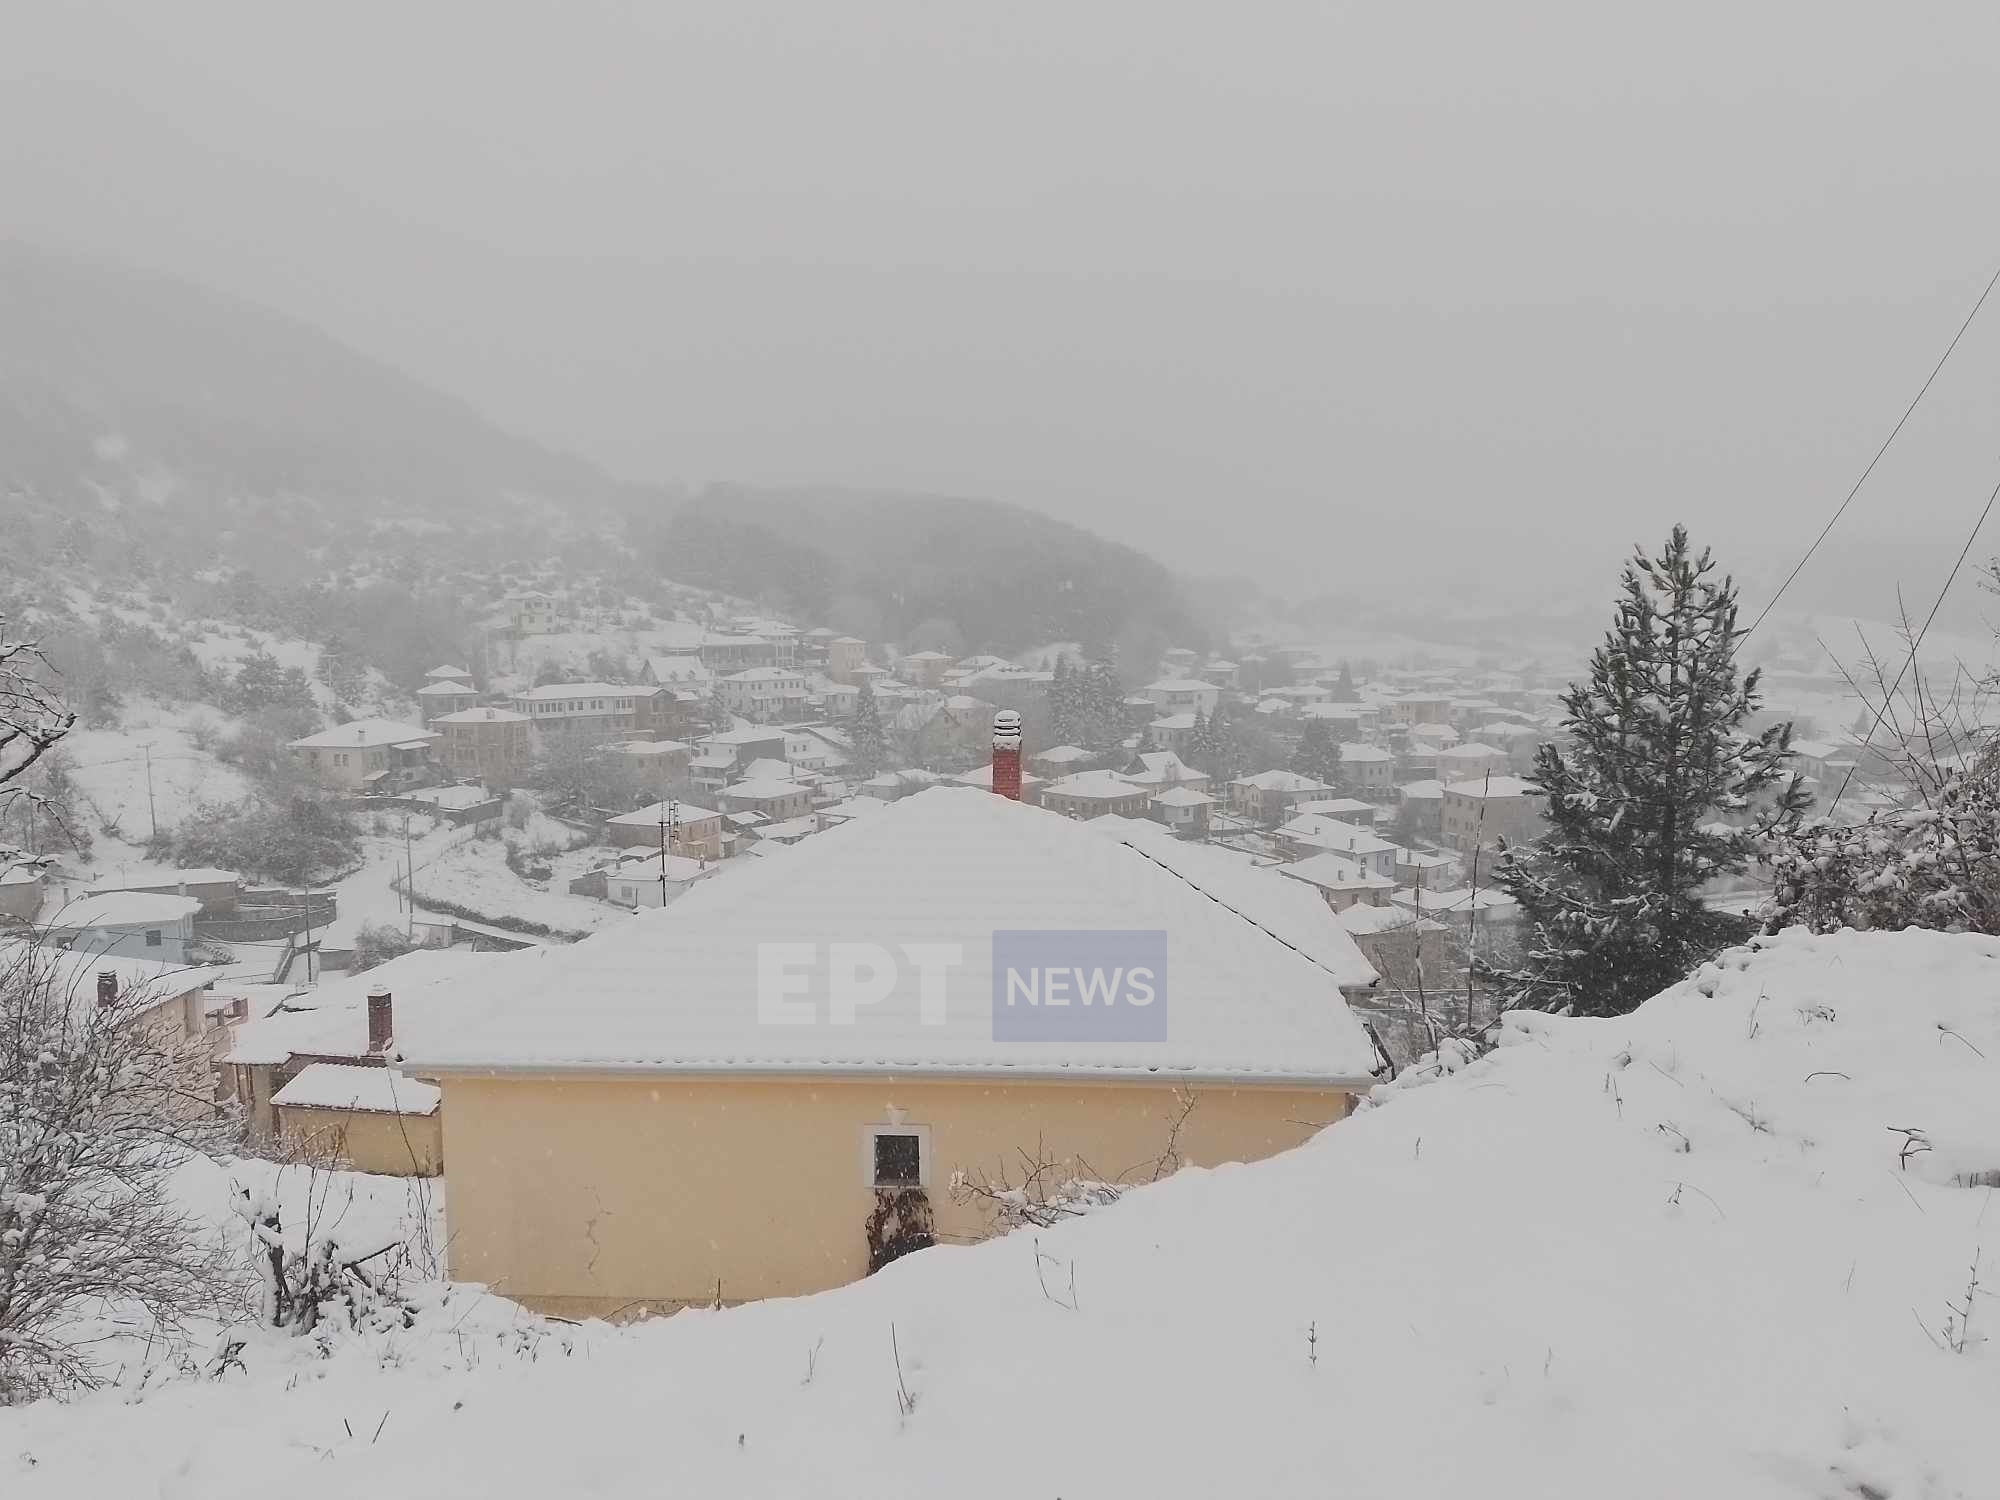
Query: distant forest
[[945, 574]]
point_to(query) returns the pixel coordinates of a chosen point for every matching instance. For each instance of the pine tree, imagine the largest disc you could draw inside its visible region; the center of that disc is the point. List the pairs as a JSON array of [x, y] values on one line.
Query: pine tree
[[870, 744], [1104, 708], [1065, 718], [1636, 806], [1344, 690], [1317, 755]]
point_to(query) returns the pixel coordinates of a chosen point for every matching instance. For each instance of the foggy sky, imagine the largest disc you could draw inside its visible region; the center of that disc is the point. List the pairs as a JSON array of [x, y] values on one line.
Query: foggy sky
[[1345, 295]]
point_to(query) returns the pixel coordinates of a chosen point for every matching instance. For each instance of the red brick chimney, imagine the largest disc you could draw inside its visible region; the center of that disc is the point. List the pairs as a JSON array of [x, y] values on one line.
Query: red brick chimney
[[1007, 754], [381, 1021], [107, 987]]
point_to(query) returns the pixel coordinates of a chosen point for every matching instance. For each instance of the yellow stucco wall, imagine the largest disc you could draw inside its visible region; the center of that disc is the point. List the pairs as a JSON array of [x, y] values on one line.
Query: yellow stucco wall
[[591, 1196], [367, 1141]]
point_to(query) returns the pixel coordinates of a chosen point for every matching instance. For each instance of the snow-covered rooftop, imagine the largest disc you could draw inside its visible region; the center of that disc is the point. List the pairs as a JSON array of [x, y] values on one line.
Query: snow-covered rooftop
[[656, 813], [678, 990], [1336, 872], [1095, 786], [331, 1020], [124, 909], [349, 1086], [364, 734]]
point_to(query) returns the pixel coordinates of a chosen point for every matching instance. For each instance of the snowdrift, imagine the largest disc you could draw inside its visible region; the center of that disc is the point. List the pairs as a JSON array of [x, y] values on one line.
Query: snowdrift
[[1720, 1247]]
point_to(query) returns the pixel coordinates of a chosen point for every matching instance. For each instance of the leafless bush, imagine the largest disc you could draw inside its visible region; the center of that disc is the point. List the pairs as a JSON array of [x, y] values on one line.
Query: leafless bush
[[100, 1103]]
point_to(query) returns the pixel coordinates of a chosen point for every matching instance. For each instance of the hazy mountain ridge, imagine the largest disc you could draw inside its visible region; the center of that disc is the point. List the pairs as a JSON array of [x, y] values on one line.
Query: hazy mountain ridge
[[956, 574]]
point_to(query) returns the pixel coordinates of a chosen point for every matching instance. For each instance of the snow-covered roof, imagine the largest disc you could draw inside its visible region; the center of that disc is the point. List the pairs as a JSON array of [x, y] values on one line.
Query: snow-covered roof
[[1336, 872], [1174, 722], [1281, 781], [1183, 796], [1252, 890], [1094, 786], [440, 673], [124, 909], [75, 971], [331, 1020], [764, 674], [447, 688], [1471, 750], [765, 788], [1353, 754], [348, 1086], [653, 814], [1347, 808], [1421, 791], [1497, 786], [677, 669], [1063, 755], [1180, 685], [677, 990], [482, 716], [650, 749], [1363, 920], [1334, 835], [138, 877], [363, 734], [1496, 904], [560, 692]]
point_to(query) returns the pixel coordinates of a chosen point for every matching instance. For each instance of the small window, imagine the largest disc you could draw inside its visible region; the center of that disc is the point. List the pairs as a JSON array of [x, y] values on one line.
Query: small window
[[896, 1157], [152, 937]]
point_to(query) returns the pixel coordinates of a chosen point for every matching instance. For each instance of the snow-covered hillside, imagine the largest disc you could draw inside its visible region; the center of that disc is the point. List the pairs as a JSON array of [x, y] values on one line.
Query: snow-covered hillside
[[1682, 1253]]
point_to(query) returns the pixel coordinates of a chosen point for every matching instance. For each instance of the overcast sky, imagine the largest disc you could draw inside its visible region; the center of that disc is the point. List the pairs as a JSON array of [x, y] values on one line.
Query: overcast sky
[[1387, 293]]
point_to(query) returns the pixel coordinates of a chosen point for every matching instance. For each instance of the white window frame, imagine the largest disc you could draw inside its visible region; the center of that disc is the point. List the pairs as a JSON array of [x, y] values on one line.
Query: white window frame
[[887, 1127]]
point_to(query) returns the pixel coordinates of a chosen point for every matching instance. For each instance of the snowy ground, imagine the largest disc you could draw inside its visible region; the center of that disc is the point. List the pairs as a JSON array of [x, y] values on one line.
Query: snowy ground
[[474, 874], [109, 768], [1671, 1255]]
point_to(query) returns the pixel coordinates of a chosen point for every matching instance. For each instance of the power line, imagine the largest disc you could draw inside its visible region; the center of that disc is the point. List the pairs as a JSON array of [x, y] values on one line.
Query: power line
[[1911, 660], [1922, 391]]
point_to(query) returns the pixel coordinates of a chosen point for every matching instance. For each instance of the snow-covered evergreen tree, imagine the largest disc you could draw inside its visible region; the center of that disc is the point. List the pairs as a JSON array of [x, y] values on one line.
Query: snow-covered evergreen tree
[[1658, 794], [1065, 709], [1316, 755], [1103, 726], [871, 746]]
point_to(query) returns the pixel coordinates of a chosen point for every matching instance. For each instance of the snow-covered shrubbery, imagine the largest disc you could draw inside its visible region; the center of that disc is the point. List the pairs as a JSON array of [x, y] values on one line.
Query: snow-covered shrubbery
[[1934, 865], [98, 1110]]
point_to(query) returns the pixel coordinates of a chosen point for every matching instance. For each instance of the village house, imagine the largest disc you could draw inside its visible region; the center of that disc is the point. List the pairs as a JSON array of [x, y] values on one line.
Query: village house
[[1347, 809], [1419, 708], [1173, 732], [436, 699], [723, 653], [493, 744], [367, 755], [125, 924], [1421, 803], [531, 613], [574, 714], [1308, 834], [765, 694], [924, 669], [23, 885], [693, 831], [610, 1151], [1478, 814], [776, 800], [1095, 794], [445, 672], [175, 1003], [215, 892], [1160, 769], [1182, 695], [635, 881], [1062, 760], [328, 1036], [1471, 761], [1368, 768], [1393, 939], [1186, 811], [678, 672], [653, 765], [1267, 797], [1342, 881], [946, 733], [845, 656]]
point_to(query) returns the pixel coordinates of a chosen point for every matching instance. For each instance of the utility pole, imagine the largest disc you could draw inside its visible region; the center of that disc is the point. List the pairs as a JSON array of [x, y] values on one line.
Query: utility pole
[[409, 883], [152, 813], [670, 813]]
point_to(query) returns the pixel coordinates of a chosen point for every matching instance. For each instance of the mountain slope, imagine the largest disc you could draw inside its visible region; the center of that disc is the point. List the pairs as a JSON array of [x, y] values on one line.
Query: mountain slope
[[928, 571], [145, 386]]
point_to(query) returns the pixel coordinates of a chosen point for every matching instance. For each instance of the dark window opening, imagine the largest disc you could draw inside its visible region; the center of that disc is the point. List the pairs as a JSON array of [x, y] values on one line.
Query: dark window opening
[[898, 1161]]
